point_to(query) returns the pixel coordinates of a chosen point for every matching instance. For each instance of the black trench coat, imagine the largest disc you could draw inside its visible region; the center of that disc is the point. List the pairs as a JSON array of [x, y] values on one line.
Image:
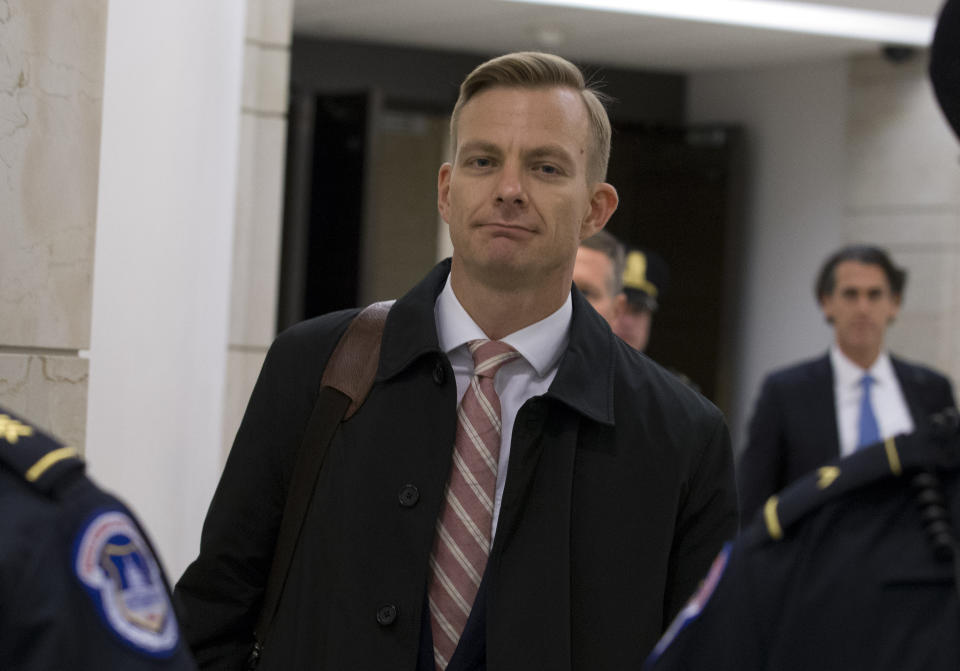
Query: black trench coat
[[619, 494]]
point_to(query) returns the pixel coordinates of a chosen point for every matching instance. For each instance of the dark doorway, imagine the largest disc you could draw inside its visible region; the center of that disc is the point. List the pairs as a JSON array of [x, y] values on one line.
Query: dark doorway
[[323, 210], [680, 197]]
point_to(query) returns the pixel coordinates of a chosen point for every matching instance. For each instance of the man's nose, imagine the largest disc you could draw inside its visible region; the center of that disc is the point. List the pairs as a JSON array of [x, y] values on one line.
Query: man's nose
[[510, 186]]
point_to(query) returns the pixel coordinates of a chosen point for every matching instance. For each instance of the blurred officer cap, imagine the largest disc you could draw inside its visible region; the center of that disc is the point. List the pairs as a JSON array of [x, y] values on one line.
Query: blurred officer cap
[[945, 63], [645, 279]]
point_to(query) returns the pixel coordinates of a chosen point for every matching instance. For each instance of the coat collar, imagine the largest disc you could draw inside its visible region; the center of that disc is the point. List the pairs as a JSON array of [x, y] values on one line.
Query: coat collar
[[586, 372]]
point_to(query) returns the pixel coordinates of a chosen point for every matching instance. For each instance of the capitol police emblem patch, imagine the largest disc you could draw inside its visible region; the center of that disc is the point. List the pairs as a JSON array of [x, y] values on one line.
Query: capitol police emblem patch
[[696, 604], [123, 579]]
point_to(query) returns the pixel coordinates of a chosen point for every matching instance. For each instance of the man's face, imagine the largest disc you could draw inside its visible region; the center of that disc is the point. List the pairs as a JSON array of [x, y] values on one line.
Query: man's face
[[516, 196], [860, 309], [593, 275], [633, 326]]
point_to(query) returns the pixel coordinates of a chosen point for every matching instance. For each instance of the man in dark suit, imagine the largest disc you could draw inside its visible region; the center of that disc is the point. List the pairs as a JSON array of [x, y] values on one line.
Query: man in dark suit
[[613, 481], [854, 395]]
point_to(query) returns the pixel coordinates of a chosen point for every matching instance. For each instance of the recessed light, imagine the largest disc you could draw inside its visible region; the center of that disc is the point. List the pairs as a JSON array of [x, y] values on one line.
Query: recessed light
[[797, 17]]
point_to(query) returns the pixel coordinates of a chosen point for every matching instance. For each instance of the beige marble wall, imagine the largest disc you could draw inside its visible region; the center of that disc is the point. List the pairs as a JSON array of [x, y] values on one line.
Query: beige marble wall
[[51, 89], [256, 254], [903, 192]]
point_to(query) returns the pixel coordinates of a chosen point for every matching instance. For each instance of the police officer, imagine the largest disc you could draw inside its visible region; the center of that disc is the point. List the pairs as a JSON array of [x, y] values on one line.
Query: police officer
[[855, 566], [644, 281], [80, 586]]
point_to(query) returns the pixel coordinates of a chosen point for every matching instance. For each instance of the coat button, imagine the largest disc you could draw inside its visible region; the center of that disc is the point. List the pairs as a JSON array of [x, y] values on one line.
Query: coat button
[[409, 495], [386, 615], [439, 374]]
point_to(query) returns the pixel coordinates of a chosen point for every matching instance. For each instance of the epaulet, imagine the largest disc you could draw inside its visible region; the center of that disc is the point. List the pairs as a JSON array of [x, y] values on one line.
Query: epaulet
[[41, 460], [892, 458]]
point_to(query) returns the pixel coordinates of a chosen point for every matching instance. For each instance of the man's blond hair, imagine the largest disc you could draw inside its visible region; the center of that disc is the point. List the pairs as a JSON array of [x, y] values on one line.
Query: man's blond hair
[[535, 70]]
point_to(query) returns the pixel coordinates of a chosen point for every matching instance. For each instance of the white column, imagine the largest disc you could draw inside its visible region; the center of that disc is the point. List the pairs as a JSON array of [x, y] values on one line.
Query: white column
[[168, 172]]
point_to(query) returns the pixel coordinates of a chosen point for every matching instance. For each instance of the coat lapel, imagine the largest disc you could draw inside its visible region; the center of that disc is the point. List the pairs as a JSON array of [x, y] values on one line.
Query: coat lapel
[[822, 399], [912, 391], [532, 549]]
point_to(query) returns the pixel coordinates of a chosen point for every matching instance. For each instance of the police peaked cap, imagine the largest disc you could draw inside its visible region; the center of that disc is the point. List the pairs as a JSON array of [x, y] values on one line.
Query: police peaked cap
[[645, 278]]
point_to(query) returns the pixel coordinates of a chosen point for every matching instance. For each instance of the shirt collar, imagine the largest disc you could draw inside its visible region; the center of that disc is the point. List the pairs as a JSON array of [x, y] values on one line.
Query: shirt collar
[[848, 374], [541, 343]]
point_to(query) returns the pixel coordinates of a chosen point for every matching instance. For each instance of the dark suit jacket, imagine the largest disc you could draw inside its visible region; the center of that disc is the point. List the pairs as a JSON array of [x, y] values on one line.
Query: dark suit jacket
[[619, 494], [794, 425]]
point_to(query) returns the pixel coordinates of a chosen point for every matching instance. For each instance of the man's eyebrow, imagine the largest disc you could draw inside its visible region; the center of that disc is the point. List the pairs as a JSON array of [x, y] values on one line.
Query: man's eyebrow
[[554, 151], [479, 145]]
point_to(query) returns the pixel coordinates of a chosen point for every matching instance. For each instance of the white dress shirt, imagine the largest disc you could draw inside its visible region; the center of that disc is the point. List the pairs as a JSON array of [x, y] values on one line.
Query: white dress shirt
[[886, 397], [540, 346]]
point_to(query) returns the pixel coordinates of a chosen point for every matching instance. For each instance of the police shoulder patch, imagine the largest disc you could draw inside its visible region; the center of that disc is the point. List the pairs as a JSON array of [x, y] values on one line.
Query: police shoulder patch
[[123, 579], [696, 603]]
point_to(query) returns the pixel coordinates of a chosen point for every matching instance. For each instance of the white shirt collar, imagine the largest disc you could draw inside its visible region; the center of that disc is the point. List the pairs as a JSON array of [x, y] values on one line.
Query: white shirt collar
[[541, 343], [847, 374]]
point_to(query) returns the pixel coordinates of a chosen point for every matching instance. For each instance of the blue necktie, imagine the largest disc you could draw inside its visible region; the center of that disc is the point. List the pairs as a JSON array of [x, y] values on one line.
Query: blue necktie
[[868, 431]]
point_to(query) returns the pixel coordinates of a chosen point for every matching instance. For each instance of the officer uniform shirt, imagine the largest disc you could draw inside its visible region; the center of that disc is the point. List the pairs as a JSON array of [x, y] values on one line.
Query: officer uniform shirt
[[849, 568], [886, 397], [80, 586], [540, 346]]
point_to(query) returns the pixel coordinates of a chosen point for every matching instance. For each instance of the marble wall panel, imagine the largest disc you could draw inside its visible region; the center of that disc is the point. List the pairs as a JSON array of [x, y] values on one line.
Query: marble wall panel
[[51, 87], [903, 193], [256, 259], [907, 229], [918, 338], [930, 272], [266, 79], [901, 153], [49, 391], [270, 21]]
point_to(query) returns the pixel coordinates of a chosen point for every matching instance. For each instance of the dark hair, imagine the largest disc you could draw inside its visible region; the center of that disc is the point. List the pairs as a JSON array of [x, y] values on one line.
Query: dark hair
[[866, 254], [604, 242]]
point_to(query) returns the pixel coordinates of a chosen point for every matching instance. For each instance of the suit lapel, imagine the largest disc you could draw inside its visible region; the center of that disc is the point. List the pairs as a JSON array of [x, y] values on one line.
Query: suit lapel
[[912, 392], [826, 443]]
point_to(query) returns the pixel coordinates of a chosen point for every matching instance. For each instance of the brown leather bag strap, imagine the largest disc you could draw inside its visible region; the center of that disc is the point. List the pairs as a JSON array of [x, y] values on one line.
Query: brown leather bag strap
[[347, 379], [353, 365]]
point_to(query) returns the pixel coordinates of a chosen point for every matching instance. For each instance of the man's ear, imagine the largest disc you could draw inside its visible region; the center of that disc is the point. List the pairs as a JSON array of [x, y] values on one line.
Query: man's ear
[[826, 307], [443, 190], [896, 299], [603, 204], [619, 305]]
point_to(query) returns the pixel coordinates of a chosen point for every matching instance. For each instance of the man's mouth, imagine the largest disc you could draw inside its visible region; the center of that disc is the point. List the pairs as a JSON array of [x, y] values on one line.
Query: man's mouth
[[502, 228]]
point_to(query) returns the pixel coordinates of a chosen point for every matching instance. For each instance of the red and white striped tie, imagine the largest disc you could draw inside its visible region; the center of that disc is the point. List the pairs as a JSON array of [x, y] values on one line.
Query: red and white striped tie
[[464, 528]]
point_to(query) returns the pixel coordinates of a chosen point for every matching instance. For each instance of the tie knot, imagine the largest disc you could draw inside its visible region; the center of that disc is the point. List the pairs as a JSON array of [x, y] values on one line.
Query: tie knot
[[489, 355], [867, 380]]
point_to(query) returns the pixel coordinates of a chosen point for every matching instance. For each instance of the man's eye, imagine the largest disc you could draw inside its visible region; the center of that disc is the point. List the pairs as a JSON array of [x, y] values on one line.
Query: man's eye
[[549, 169], [481, 162]]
